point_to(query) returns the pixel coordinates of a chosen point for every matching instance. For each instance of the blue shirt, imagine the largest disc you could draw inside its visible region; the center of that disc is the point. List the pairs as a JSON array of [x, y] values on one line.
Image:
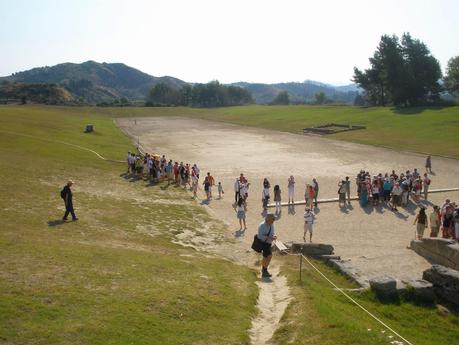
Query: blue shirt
[[263, 230], [168, 168]]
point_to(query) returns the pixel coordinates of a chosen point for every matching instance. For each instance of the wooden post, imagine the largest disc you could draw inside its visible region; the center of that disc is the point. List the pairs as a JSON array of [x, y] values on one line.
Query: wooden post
[[301, 265]]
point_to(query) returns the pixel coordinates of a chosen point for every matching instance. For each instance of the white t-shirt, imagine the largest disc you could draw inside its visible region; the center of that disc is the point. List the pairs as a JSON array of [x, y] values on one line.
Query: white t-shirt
[[308, 217]]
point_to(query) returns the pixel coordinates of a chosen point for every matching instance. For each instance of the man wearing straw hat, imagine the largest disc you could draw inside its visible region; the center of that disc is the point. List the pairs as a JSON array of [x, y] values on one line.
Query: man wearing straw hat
[[266, 235], [66, 194]]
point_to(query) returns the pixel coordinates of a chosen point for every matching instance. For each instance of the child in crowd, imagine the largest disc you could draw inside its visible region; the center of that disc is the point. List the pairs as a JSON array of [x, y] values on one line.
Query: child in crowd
[[220, 190]]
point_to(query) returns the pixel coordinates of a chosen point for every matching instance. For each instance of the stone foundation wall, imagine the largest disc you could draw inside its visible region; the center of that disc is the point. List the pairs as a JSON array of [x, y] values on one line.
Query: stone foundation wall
[[438, 251]]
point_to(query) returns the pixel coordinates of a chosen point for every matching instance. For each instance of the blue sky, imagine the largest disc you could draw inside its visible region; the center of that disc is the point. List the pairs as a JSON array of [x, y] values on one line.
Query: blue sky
[[199, 41]]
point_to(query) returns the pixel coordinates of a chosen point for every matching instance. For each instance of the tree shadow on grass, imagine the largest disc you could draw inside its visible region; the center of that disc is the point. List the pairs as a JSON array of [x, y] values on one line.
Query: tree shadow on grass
[[414, 110], [57, 222]]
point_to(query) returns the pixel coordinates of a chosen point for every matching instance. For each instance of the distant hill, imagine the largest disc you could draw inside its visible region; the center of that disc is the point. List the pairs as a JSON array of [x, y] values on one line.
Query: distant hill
[[95, 82], [35, 93], [301, 92]]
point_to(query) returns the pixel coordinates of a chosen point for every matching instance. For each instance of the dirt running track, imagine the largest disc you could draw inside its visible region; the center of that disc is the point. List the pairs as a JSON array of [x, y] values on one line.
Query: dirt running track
[[374, 239]]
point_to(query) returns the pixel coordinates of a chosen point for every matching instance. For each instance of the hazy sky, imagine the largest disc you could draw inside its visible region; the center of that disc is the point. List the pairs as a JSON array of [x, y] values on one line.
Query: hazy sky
[[198, 41]]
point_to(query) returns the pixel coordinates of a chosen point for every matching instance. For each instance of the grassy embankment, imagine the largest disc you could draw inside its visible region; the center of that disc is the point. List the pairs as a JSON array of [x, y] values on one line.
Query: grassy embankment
[[114, 276], [320, 315], [426, 130]]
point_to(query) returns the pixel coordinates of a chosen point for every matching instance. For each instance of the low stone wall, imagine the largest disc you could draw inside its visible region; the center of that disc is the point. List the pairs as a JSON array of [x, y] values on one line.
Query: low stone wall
[[445, 282], [438, 251]]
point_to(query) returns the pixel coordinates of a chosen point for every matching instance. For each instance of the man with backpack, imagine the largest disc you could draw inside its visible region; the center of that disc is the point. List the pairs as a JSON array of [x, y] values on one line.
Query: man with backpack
[[66, 194]]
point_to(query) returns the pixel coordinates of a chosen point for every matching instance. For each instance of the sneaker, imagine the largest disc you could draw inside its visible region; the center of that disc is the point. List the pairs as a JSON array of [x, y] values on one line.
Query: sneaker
[[266, 274]]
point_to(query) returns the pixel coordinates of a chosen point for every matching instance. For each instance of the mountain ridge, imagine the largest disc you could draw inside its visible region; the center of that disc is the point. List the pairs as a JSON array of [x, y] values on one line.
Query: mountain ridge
[[94, 82]]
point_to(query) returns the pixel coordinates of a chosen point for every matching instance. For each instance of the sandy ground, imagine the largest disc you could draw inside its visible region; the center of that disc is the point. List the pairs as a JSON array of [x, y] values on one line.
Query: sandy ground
[[374, 239]]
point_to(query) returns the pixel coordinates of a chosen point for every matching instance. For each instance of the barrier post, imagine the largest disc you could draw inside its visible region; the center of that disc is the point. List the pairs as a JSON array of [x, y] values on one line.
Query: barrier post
[[301, 265]]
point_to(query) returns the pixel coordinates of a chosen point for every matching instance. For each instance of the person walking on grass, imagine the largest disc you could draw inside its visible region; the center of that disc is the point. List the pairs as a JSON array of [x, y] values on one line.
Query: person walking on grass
[[291, 189], [266, 234], [240, 211], [421, 223], [277, 198], [308, 223], [66, 194]]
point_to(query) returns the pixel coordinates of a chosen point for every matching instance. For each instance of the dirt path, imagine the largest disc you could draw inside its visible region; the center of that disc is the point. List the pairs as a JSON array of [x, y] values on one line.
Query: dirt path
[[374, 239], [273, 299]]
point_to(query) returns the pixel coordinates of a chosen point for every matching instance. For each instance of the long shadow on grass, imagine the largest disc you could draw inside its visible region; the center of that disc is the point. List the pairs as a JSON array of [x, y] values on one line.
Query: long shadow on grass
[[415, 110], [57, 222]]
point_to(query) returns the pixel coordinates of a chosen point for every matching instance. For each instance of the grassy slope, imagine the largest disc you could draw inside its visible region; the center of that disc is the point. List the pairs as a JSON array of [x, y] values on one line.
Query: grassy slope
[[320, 315], [106, 280], [113, 277], [427, 130]]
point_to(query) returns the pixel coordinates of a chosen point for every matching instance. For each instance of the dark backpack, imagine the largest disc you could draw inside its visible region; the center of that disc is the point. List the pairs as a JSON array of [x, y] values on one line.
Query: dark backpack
[[63, 193]]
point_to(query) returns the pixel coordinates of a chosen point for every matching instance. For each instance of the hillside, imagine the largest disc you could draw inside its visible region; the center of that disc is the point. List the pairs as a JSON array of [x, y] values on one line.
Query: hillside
[[95, 82], [35, 93], [92, 82], [300, 92]]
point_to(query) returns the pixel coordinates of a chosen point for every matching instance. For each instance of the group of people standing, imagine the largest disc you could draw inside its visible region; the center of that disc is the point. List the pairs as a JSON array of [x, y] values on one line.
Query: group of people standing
[[444, 217], [394, 189]]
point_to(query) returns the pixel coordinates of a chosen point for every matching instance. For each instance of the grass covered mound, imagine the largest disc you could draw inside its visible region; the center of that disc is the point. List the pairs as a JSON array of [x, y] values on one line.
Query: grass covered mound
[[114, 276], [320, 315]]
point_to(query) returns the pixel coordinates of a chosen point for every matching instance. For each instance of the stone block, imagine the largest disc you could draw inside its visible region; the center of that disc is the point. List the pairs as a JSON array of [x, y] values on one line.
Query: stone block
[[445, 282], [439, 251], [422, 290], [312, 249], [384, 286]]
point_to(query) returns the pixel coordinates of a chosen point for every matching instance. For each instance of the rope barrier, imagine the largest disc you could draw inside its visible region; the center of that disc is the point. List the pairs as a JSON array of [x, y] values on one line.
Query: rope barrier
[[63, 143], [353, 300]]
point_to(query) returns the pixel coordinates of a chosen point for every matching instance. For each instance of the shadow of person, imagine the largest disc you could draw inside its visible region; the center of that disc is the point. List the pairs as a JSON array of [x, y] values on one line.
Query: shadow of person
[[401, 215], [278, 215], [291, 209], [56, 222], [344, 210], [239, 233], [264, 213], [205, 202], [266, 279], [433, 173]]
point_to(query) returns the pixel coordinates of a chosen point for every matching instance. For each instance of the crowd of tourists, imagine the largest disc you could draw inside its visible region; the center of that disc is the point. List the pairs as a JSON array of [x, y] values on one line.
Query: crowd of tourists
[[391, 189], [157, 168]]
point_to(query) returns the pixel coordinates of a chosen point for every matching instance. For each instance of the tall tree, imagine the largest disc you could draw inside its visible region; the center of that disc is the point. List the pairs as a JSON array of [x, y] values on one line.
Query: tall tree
[[401, 73], [282, 98], [451, 79]]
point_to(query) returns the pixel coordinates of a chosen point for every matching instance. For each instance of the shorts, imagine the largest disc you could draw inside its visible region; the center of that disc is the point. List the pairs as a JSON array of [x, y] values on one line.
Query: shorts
[[266, 250], [342, 197], [307, 227], [420, 229], [240, 214]]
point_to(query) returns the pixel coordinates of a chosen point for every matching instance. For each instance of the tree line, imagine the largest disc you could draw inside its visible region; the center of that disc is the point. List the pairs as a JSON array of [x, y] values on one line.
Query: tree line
[[208, 95], [403, 72]]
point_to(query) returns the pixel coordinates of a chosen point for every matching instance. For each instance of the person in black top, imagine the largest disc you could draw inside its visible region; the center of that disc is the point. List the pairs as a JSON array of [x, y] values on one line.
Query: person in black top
[[66, 194]]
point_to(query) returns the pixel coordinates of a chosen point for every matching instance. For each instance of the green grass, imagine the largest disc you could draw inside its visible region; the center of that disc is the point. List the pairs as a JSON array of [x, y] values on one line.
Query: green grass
[[320, 315], [428, 130], [113, 277]]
